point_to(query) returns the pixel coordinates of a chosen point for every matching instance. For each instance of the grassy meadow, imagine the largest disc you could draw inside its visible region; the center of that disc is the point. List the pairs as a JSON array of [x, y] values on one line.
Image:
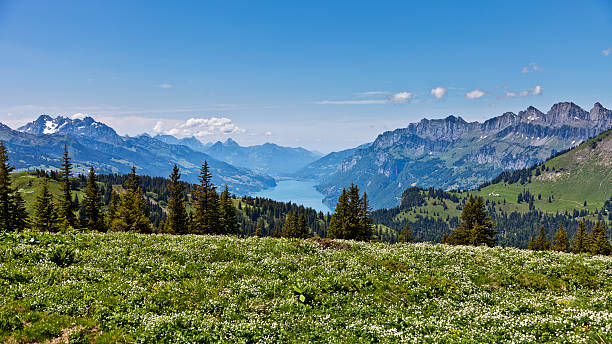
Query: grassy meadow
[[121, 287]]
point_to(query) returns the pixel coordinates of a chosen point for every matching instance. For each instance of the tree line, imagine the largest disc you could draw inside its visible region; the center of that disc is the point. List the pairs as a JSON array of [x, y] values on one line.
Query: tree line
[[187, 208]]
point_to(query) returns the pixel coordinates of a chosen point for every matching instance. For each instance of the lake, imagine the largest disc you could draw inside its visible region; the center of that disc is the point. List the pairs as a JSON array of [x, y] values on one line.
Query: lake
[[296, 191]]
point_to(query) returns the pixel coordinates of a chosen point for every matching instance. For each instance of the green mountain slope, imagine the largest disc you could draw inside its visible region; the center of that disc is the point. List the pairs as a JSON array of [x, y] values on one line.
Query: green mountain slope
[[575, 185]]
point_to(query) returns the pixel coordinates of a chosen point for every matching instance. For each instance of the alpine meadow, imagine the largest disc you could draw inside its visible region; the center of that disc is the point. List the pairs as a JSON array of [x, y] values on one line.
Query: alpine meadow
[[323, 172]]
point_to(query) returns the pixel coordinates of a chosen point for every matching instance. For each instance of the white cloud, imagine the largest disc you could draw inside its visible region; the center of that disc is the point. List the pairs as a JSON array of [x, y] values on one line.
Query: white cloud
[[373, 93], [165, 86], [401, 97], [606, 52], [537, 90], [268, 133], [532, 67], [438, 92], [80, 116], [474, 94], [395, 98], [199, 127], [352, 102]]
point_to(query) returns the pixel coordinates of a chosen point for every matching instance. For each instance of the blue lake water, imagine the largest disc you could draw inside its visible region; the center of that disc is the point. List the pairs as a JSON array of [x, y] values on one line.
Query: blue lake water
[[296, 191]]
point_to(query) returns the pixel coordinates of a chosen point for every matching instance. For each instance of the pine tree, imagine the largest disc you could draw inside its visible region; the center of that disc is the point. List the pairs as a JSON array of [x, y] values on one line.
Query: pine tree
[[560, 241], [132, 213], [598, 241], [93, 219], [229, 219], [580, 242], [19, 215], [6, 202], [65, 204], [45, 217], [541, 243], [177, 220], [351, 219], [475, 228], [531, 244], [407, 235], [258, 230], [206, 217]]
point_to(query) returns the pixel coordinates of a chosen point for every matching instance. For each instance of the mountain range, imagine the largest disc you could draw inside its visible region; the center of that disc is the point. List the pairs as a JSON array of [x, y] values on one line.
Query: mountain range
[[451, 153], [39, 145], [267, 158]]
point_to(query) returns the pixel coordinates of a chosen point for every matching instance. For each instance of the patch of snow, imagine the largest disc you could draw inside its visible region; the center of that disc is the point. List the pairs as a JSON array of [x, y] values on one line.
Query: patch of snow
[[50, 127], [532, 118]]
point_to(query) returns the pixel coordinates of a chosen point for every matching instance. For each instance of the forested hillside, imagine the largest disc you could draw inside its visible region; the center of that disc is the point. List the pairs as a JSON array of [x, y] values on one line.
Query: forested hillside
[[572, 186]]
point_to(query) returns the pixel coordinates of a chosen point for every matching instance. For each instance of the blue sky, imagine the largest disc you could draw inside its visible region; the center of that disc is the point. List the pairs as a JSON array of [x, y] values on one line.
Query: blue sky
[[322, 75]]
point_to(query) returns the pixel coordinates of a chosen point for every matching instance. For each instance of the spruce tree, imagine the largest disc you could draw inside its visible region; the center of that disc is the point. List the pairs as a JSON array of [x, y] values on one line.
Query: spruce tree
[[407, 235], [338, 223], [476, 227], [351, 219], [542, 243], [580, 242], [598, 241], [560, 241], [365, 227], [19, 215], [65, 204], [93, 218], [229, 219], [6, 190], [45, 217], [177, 220], [258, 232], [132, 213], [206, 217]]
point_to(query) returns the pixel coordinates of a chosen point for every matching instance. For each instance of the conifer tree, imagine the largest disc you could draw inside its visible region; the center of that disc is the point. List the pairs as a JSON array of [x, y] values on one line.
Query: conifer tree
[[598, 241], [580, 242], [6, 190], [132, 213], [560, 241], [476, 227], [407, 235], [13, 216], [206, 217], [541, 243], [258, 232], [177, 220], [65, 205], [19, 216], [351, 219], [45, 217], [93, 218], [531, 245], [229, 219]]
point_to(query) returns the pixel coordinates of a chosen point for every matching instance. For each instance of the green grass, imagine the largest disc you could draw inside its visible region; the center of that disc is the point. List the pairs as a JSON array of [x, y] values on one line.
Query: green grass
[[158, 288]]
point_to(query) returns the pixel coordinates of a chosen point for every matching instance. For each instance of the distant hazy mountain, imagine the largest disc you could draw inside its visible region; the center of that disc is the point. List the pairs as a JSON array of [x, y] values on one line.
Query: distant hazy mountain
[[190, 142], [39, 144], [267, 158], [452, 153], [327, 165]]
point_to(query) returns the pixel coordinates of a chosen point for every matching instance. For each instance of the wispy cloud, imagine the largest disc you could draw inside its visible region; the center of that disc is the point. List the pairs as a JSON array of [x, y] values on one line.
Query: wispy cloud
[[165, 86], [606, 52], [536, 91], [372, 93], [395, 98], [199, 127], [438, 92], [532, 67], [474, 94]]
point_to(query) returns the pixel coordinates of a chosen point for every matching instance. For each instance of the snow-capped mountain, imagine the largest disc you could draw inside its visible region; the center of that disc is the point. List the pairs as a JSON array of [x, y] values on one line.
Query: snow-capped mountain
[[76, 127]]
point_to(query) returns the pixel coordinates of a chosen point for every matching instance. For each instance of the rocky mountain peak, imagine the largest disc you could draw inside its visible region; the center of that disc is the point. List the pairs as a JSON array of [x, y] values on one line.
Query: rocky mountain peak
[[77, 126]]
